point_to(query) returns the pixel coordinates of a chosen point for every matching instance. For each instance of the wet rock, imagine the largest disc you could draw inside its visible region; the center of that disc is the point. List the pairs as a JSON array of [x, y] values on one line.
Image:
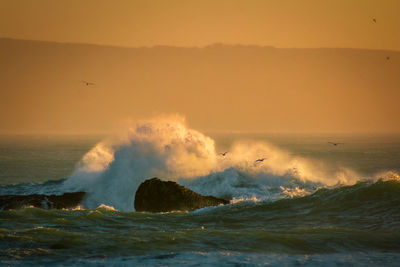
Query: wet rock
[[154, 195]]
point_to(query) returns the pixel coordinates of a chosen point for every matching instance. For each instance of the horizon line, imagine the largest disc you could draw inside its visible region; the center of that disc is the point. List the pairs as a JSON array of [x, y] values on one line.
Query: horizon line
[[216, 44], [228, 132]]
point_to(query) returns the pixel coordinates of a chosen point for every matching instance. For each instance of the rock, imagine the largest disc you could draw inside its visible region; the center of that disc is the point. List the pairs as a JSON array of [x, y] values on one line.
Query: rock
[[154, 195], [65, 201]]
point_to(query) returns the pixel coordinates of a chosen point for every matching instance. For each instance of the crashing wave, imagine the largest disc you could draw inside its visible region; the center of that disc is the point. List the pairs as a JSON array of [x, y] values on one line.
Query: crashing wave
[[165, 147]]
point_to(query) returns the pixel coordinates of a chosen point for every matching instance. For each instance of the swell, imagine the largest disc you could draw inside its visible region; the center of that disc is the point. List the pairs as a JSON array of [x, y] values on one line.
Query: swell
[[364, 198], [371, 204], [359, 218], [365, 205]]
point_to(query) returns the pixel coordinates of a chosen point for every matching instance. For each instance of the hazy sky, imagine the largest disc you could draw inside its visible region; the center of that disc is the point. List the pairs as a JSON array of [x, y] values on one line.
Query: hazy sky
[[219, 87], [280, 23]]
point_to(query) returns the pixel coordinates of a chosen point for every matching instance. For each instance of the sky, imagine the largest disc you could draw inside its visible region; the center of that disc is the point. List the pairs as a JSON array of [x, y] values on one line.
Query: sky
[[279, 23], [266, 73]]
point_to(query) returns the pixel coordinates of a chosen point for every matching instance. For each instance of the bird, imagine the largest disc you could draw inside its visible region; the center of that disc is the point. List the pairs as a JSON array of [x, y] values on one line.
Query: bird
[[224, 154], [387, 58], [260, 160], [374, 20], [335, 144], [87, 83]]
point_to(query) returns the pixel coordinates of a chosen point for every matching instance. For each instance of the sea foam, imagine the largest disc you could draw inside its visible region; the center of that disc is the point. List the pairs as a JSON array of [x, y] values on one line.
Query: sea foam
[[167, 148]]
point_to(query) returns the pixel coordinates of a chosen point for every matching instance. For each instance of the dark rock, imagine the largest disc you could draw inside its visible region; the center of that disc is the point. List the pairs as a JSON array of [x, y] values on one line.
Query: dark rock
[[65, 201], [154, 195]]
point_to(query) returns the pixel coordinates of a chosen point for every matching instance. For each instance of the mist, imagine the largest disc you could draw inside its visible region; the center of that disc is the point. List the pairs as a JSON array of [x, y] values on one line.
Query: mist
[[219, 88]]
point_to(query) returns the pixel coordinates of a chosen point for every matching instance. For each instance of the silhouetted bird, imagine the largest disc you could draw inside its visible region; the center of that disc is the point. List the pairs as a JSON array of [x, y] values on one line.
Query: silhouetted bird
[[224, 154], [335, 144], [374, 20], [260, 160], [387, 58], [87, 83]]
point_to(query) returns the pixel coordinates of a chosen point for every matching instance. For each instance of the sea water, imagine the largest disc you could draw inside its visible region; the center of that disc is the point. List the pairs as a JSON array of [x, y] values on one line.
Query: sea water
[[308, 202]]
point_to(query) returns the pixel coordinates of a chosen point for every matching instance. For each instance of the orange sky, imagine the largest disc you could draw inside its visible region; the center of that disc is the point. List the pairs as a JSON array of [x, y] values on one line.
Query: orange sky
[[218, 87], [280, 23]]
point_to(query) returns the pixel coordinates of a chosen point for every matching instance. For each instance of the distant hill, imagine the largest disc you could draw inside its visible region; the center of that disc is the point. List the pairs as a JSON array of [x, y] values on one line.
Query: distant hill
[[219, 87]]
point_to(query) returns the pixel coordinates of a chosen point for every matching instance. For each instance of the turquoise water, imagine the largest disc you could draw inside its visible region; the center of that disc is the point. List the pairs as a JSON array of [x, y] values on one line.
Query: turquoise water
[[276, 216]]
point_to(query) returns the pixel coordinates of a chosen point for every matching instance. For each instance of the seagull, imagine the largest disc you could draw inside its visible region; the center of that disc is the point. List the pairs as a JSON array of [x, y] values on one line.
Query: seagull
[[374, 20], [260, 160], [224, 154], [335, 144], [87, 83]]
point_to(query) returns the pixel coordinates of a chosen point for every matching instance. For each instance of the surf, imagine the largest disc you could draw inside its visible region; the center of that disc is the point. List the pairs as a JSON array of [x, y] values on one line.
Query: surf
[[166, 147]]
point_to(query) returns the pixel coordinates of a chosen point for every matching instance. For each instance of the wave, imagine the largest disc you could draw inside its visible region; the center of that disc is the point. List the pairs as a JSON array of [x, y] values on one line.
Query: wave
[[366, 197], [165, 147], [368, 205]]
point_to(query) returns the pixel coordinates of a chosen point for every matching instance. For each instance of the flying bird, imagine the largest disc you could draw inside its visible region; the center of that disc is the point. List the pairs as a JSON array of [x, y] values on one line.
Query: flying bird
[[87, 83], [260, 160], [374, 20], [224, 154], [335, 144], [387, 58]]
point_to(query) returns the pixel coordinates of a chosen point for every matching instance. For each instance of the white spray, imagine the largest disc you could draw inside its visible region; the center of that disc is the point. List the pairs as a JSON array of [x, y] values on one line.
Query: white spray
[[165, 147]]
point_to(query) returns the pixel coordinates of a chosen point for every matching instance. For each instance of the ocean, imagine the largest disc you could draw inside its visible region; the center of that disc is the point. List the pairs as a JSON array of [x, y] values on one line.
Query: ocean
[[308, 202]]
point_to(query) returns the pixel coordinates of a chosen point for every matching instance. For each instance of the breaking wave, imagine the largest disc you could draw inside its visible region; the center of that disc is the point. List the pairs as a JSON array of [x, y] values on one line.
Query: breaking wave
[[167, 148]]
